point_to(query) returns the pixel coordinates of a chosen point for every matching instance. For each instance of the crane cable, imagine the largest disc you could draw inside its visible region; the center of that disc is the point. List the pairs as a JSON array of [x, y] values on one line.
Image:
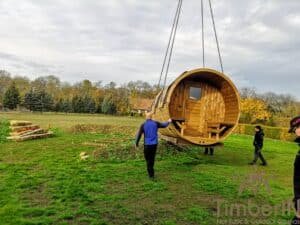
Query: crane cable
[[171, 41], [216, 36], [202, 20], [172, 45], [169, 51]]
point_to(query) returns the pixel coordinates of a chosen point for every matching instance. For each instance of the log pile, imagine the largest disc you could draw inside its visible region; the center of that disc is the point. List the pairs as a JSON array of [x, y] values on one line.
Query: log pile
[[25, 130]]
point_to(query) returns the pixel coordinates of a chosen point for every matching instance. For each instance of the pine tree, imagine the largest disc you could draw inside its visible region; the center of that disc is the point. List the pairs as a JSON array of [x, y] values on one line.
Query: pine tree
[[89, 105], [58, 106], [45, 101], [11, 97], [28, 100], [66, 106], [108, 105], [38, 101], [92, 106], [78, 104]]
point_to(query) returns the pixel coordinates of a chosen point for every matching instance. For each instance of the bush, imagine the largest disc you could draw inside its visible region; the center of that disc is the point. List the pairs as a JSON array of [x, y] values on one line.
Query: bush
[[273, 132], [279, 133], [249, 129], [109, 106]]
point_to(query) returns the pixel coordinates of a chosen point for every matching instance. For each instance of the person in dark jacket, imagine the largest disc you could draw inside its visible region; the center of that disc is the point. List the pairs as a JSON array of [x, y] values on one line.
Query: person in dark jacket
[[149, 129], [258, 145], [210, 149], [295, 128]]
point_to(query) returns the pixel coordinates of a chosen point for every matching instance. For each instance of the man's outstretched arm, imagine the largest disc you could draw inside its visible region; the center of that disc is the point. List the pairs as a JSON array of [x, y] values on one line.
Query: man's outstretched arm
[[164, 125]]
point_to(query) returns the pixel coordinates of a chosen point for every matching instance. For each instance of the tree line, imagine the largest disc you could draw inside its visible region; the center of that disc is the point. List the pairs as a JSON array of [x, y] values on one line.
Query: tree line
[[268, 108], [49, 93]]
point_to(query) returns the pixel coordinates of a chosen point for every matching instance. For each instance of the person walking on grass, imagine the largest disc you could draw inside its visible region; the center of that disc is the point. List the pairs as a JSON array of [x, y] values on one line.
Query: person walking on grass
[[258, 145], [211, 150], [295, 128], [149, 129]]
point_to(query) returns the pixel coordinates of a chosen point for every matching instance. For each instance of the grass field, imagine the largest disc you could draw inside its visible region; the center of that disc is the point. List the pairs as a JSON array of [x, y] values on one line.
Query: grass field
[[45, 182]]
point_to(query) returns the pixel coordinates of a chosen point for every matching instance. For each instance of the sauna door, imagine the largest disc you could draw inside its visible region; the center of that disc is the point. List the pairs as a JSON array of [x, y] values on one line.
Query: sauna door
[[193, 96]]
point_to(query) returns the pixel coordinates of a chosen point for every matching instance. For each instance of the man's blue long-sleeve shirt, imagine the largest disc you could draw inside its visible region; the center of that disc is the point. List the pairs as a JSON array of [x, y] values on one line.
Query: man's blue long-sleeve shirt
[[149, 129]]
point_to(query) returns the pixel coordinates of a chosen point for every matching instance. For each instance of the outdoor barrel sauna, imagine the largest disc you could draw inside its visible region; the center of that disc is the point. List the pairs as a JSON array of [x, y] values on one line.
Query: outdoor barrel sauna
[[204, 105]]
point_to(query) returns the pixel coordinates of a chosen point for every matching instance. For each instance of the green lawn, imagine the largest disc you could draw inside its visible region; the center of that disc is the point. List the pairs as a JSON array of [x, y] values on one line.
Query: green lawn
[[45, 182]]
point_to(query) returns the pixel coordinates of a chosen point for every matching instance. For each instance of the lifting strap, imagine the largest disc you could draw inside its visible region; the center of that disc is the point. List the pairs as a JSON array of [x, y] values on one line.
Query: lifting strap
[[202, 21], [216, 36], [168, 54]]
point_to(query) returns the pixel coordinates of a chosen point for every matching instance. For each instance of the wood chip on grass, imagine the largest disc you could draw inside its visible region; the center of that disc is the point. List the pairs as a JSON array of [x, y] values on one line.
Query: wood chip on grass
[[94, 144]]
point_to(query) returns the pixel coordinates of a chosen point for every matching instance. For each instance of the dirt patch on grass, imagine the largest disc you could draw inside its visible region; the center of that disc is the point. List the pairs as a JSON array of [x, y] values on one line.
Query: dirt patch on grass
[[115, 153], [105, 129], [37, 197]]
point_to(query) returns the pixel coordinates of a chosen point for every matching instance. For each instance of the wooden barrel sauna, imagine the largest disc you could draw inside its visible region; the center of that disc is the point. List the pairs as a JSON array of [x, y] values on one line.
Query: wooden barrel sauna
[[204, 105]]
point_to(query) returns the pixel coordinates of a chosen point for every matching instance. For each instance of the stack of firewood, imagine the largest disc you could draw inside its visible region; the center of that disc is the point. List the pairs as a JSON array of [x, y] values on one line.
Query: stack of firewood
[[25, 130]]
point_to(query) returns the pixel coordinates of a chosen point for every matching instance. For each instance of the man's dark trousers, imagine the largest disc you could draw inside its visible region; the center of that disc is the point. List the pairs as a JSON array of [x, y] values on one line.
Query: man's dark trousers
[[211, 150], [258, 154], [149, 153]]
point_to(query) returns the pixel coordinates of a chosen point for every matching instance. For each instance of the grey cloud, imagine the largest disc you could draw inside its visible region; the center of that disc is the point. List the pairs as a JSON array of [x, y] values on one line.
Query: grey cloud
[[125, 40]]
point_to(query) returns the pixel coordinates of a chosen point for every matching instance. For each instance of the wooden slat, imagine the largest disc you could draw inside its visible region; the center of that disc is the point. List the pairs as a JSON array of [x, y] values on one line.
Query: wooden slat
[[24, 128], [23, 133], [19, 123], [30, 137]]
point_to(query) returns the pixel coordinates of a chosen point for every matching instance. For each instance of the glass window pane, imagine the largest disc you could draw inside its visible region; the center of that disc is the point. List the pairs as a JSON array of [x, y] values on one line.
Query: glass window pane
[[195, 93]]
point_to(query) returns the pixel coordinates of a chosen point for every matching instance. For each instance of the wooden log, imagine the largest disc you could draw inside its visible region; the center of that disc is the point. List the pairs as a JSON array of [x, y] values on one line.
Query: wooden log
[[20, 123], [31, 137], [24, 128], [28, 132]]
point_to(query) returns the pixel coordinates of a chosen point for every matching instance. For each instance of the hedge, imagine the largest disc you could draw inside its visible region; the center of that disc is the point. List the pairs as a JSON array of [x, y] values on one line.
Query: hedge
[[280, 133]]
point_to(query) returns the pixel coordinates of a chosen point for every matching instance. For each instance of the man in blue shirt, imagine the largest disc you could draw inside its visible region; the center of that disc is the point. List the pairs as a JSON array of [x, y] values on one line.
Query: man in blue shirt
[[149, 128], [295, 128]]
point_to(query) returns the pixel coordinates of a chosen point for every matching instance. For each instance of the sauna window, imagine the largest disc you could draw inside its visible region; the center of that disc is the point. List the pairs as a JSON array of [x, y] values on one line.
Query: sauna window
[[195, 93]]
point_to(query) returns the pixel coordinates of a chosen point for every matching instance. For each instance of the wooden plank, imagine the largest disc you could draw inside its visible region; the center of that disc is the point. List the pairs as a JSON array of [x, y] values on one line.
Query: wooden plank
[[27, 132], [169, 139], [24, 128], [31, 132], [19, 123], [30, 137]]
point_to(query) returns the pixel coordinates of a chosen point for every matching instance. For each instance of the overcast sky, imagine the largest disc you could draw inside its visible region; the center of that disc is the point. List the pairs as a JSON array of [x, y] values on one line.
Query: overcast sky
[[123, 40]]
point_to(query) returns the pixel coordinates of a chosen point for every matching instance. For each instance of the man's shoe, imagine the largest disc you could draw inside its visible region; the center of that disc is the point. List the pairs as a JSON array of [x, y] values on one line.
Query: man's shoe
[[153, 179], [263, 164], [295, 221], [251, 163]]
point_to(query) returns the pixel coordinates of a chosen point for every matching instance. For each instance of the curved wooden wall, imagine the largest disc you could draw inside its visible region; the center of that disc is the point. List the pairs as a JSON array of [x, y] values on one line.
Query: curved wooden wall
[[219, 106]]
